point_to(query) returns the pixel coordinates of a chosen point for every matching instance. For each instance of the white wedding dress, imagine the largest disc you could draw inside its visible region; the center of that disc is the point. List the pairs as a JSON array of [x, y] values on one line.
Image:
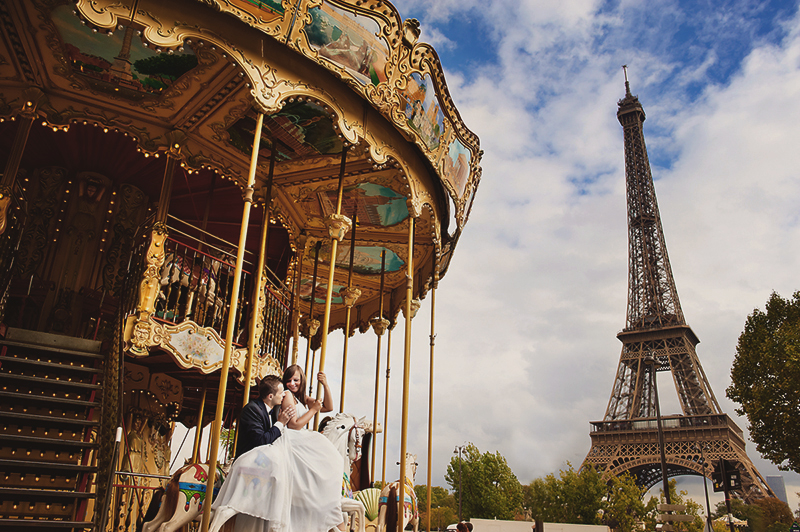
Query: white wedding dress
[[291, 485]]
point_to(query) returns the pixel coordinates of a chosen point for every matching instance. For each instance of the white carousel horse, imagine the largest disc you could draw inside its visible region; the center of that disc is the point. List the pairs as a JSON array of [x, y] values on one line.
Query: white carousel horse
[[185, 491], [387, 516]]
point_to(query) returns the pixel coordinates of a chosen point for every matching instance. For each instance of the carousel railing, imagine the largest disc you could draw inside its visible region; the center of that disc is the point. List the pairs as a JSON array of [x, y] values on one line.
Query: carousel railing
[[186, 273]]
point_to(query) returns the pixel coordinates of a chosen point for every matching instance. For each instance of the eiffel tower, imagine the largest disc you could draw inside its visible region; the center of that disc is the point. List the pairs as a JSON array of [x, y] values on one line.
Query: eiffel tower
[[657, 338]]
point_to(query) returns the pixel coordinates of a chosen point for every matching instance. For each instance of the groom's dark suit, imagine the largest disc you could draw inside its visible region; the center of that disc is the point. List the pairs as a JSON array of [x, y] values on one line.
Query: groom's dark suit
[[256, 427]]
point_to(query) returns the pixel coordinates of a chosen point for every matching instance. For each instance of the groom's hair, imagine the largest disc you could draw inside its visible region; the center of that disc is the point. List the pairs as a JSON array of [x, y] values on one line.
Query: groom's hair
[[268, 385]]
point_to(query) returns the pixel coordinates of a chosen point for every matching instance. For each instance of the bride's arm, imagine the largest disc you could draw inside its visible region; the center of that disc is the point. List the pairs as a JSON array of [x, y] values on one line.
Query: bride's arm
[[298, 423], [327, 398]]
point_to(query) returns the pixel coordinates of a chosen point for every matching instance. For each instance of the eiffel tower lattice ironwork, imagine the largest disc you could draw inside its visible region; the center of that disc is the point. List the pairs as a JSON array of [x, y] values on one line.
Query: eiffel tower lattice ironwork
[[657, 338]]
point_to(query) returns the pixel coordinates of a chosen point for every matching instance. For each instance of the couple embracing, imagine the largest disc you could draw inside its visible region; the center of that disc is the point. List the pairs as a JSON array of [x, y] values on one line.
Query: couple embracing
[[284, 478]]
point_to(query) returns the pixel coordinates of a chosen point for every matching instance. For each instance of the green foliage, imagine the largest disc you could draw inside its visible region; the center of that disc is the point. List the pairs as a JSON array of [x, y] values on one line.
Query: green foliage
[[443, 506], [746, 512], [765, 377], [625, 509], [692, 508], [489, 487], [573, 497]]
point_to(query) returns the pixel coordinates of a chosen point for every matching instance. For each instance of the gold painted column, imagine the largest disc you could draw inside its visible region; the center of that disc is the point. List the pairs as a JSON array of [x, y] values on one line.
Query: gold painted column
[[434, 285], [338, 225], [386, 403], [350, 296], [379, 325], [138, 327], [406, 371], [302, 238], [226, 358], [260, 278]]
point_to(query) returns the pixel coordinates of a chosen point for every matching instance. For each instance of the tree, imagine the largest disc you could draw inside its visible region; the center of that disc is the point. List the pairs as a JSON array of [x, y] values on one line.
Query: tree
[[443, 506], [625, 509], [489, 489], [765, 376], [777, 515], [573, 497], [746, 512]]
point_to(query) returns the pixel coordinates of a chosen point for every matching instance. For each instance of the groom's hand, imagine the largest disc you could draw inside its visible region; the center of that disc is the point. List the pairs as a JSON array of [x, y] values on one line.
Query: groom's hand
[[286, 414]]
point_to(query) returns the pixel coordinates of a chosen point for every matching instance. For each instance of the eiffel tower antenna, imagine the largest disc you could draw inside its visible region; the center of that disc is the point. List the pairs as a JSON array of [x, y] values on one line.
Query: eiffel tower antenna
[[655, 329]]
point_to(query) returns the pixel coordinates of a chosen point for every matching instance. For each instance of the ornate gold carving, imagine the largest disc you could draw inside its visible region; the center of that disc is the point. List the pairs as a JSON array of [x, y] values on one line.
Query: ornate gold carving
[[309, 327], [415, 305], [350, 296], [140, 338], [379, 325], [338, 225], [410, 32]]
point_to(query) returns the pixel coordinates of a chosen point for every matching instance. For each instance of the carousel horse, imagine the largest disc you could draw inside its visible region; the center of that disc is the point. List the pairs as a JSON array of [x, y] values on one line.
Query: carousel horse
[[185, 492], [184, 498], [387, 516]]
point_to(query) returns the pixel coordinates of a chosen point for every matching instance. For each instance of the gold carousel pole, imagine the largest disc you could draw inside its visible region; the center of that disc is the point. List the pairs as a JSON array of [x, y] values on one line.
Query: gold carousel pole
[[198, 435], [434, 284], [302, 238], [406, 371], [379, 325], [386, 401], [350, 296], [259, 287], [232, 312], [310, 325], [338, 225]]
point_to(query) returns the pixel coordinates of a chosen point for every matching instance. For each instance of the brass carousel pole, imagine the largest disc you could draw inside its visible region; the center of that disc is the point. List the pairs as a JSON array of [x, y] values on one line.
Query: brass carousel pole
[[338, 225], [232, 312], [406, 371], [198, 435], [379, 325], [311, 324], [434, 284], [350, 296], [259, 287], [386, 401], [302, 238]]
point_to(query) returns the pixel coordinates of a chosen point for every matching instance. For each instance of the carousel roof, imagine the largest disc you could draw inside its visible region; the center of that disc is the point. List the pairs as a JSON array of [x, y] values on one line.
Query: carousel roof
[[116, 86]]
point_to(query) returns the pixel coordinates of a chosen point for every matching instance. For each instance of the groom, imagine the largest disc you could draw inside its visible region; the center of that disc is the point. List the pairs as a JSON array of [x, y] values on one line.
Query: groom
[[256, 425]]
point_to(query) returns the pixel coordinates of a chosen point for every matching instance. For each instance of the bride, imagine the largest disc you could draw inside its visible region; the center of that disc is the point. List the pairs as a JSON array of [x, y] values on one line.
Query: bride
[[291, 485]]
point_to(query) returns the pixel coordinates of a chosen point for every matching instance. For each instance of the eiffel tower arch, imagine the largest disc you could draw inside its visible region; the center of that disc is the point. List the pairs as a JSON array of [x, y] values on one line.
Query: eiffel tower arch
[[656, 338]]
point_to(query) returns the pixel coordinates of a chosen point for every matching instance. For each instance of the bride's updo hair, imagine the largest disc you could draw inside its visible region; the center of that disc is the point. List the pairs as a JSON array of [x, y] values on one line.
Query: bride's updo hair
[[300, 394]]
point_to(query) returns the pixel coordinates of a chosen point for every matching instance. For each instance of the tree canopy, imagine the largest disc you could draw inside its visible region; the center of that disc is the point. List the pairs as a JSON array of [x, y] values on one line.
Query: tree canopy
[[443, 506], [765, 378], [764, 515], [625, 508], [573, 497], [489, 489]]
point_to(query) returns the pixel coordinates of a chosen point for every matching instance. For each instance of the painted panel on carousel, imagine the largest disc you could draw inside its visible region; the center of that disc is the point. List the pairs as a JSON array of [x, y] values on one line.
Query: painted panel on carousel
[[320, 292], [366, 259], [349, 40], [422, 110], [196, 349], [301, 128], [376, 205], [119, 63], [455, 166]]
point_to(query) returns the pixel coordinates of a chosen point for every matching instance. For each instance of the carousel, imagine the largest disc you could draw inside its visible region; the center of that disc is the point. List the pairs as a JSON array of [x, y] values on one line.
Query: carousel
[[195, 195]]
